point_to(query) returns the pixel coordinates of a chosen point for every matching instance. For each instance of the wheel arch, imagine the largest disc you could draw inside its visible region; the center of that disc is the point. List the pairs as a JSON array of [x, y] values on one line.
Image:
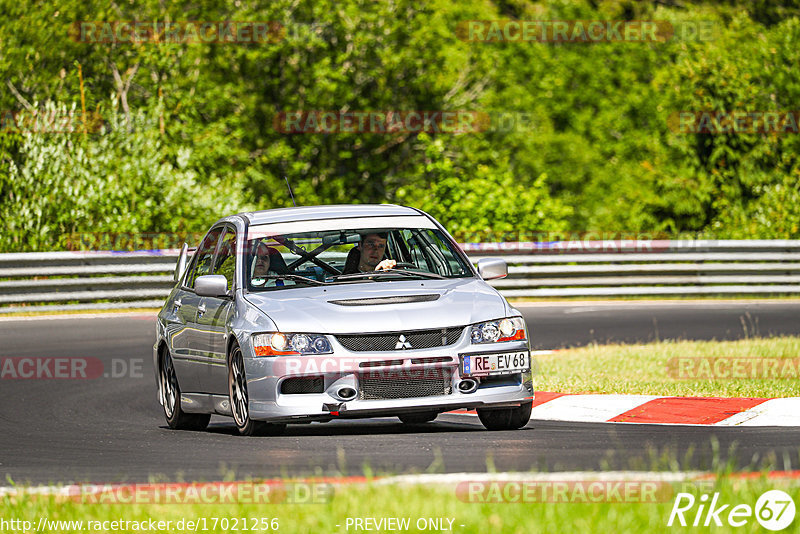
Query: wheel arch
[[159, 357], [232, 339], [162, 346]]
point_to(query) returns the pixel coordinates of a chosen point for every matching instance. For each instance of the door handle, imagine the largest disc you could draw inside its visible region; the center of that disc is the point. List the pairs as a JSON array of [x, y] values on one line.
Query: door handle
[[201, 310], [176, 306]]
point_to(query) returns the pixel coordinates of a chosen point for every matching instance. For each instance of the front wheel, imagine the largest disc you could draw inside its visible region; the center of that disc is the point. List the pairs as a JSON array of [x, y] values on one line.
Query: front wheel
[[506, 418], [170, 393], [240, 408]]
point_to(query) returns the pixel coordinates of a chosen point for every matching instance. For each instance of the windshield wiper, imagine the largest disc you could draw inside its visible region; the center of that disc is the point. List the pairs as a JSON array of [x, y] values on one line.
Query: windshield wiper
[[291, 277], [424, 274], [401, 272]]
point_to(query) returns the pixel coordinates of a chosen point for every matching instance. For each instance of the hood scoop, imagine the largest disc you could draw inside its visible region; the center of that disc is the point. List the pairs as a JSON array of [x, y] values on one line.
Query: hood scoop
[[374, 301]]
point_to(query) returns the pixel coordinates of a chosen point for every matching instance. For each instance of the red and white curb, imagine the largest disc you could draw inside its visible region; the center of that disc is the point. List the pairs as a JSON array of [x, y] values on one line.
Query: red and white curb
[[653, 409]]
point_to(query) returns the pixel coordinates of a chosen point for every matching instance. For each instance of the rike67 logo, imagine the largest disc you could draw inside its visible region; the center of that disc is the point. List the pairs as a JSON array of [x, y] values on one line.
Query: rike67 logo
[[774, 510]]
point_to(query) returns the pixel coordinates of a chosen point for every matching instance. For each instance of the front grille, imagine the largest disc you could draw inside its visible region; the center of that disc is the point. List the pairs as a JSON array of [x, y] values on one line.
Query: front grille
[[416, 339], [300, 385], [405, 385]]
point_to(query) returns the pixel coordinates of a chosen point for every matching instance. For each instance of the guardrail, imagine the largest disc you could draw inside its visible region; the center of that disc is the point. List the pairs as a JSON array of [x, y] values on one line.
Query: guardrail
[[643, 268], [97, 280], [85, 280]]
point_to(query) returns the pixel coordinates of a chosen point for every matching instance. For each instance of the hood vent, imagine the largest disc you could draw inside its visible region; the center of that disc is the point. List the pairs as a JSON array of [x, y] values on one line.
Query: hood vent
[[374, 301]]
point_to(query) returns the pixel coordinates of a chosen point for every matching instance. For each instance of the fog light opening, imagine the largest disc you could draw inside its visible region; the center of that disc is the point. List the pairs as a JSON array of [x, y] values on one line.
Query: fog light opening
[[468, 385], [346, 393]]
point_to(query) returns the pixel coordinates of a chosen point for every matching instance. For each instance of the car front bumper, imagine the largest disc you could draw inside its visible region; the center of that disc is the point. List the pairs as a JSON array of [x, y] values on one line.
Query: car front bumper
[[349, 370]]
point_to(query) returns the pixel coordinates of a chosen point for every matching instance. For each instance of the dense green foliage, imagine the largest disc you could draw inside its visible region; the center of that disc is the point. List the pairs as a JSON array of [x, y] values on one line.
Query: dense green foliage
[[188, 129]]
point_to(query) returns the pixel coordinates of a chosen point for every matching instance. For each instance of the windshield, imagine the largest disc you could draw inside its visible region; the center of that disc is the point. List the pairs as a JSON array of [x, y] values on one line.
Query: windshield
[[276, 262]]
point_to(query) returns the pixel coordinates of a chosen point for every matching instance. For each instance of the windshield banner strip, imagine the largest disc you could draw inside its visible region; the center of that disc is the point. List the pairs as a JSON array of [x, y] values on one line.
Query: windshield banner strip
[[411, 221]]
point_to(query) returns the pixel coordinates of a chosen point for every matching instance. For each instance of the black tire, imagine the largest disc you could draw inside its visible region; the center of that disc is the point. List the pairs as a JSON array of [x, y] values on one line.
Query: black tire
[[506, 418], [239, 400], [170, 393], [418, 418]]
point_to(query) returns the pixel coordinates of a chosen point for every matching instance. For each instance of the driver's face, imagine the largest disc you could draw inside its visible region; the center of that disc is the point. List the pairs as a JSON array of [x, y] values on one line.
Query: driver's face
[[372, 249], [262, 261]]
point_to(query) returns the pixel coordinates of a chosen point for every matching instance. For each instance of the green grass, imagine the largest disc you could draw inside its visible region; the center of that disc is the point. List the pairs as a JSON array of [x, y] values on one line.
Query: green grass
[[662, 368], [421, 501]]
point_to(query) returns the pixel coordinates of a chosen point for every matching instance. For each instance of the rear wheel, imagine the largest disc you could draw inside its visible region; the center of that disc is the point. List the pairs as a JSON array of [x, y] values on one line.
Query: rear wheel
[[170, 393], [240, 408], [418, 418], [506, 418]]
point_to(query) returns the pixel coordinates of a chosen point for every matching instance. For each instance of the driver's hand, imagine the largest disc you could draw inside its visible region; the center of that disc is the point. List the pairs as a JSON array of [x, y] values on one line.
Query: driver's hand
[[385, 265]]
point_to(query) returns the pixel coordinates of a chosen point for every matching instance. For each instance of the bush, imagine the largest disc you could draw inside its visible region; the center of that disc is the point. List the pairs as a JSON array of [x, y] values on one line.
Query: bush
[[120, 179]]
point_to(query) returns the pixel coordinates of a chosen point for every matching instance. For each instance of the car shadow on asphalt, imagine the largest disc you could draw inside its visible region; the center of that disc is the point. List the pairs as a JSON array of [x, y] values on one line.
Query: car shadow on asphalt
[[355, 427]]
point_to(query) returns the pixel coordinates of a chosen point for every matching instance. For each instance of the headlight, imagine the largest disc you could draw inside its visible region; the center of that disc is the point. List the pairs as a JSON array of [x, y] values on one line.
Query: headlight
[[508, 329], [280, 344]]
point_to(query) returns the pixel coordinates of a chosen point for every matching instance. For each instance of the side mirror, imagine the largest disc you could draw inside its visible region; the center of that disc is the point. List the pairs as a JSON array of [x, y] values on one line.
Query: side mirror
[[211, 285], [492, 268], [181, 266]]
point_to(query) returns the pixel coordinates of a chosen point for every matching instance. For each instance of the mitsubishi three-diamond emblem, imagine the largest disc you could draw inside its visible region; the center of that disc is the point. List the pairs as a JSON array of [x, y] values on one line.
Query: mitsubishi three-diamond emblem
[[402, 343]]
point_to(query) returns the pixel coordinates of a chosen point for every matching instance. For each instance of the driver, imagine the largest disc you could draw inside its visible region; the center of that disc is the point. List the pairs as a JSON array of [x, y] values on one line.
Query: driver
[[373, 247], [368, 255]]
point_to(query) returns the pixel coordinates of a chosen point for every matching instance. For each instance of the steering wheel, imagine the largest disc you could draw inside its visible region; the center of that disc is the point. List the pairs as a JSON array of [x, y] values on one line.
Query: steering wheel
[[403, 264]]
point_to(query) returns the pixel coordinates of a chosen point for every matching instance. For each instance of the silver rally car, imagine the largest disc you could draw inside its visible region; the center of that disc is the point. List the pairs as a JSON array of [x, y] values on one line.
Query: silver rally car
[[317, 313]]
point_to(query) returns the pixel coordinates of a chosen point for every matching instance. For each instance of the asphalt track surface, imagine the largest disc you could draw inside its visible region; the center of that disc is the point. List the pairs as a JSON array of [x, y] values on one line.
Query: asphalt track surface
[[112, 429], [567, 325]]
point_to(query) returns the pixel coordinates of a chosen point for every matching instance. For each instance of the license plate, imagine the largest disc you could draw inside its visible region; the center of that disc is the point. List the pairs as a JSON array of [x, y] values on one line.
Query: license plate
[[495, 364]]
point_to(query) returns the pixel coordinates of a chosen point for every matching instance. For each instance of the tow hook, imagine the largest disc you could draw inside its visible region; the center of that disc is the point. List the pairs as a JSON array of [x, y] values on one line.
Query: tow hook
[[334, 407]]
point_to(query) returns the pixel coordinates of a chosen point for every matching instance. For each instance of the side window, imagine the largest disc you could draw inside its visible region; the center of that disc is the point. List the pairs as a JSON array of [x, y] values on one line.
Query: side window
[[225, 263], [202, 262]]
